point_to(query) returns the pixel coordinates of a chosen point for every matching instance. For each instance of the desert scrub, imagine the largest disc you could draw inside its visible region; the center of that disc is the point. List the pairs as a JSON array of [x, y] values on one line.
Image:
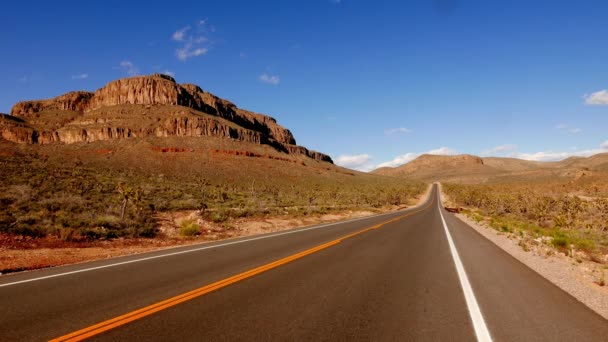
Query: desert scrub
[[73, 200], [541, 210]]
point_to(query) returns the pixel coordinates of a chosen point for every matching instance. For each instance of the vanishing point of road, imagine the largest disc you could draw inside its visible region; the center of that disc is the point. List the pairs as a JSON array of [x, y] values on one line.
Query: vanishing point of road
[[418, 274]]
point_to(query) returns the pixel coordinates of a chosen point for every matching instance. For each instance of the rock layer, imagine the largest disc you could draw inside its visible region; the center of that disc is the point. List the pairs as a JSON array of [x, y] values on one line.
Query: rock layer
[[209, 116]]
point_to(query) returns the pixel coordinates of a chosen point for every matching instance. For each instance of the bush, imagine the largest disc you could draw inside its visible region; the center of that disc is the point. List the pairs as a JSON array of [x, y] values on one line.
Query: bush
[[189, 228], [220, 216], [560, 240]]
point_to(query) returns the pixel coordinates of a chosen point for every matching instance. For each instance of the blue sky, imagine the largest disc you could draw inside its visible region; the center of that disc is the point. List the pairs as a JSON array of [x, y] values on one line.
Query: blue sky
[[369, 82]]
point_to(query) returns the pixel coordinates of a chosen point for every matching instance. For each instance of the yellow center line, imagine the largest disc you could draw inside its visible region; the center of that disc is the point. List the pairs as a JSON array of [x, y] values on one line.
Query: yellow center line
[[151, 309]]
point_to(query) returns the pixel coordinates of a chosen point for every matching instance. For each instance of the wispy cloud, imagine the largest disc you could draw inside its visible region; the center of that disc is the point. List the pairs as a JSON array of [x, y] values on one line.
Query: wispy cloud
[[392, 131], [130, 68], [360, 162], [498, 150], [80, 76], [189, 51], [408, 157], [270, 79], [569, 129], [23, 79], [194, 41], [599, 98], [179, 35]]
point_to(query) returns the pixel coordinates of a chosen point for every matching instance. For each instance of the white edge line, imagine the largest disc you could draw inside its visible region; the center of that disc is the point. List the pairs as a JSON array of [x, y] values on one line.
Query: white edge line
[[202, 248], [479, 324]]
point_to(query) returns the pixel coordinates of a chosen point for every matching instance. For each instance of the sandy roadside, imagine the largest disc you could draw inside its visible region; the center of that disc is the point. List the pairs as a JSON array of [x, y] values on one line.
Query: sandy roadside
[[29, 256], [579, 277]]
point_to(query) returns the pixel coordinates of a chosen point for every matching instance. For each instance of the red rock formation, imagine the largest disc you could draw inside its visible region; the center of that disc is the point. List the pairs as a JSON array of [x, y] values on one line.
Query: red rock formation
[[17, 130], [147, 91], [76, 101], [144, 90]]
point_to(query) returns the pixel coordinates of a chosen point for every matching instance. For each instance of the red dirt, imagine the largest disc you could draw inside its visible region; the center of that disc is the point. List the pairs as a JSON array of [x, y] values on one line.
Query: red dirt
[[171, 149]]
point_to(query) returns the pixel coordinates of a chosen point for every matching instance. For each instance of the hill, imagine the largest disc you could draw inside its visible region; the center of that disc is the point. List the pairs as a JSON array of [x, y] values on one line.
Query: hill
[[472, 169]]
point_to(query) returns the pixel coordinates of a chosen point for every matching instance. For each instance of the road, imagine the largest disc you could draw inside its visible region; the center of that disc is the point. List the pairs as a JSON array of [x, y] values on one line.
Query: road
[[415, 275]]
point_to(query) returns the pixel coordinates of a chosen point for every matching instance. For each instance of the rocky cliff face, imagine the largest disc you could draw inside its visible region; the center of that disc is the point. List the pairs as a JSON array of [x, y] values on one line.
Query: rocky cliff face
[[76, 101], [143, 90], [15, 129], [136, 99]]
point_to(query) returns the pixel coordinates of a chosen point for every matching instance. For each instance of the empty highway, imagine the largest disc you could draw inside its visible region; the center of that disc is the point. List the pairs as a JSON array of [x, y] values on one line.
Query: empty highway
[[415, 275]]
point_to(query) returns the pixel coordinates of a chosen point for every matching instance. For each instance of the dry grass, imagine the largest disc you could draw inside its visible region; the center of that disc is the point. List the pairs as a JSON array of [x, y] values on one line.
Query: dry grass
[[112, 189]]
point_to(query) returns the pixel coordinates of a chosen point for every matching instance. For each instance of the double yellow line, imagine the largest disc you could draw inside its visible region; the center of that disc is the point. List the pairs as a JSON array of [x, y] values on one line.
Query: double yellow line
[[151, 309]]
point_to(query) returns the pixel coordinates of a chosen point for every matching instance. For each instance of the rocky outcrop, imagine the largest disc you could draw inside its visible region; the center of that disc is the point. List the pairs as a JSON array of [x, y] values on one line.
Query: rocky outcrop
[[159, 91], [311, 154], [143, 90], [17, 130], [76, 101]]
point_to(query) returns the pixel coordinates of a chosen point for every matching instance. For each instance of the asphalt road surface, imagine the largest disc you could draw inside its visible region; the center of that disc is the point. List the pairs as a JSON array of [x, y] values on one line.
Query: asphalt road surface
[[415, 275]]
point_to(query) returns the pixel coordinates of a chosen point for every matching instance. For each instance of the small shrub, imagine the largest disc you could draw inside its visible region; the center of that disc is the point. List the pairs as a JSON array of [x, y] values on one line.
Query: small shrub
[[67, 234], [585, 245], [189, 228], [601, 280], [524, 245], [219, 216], [560, 241]]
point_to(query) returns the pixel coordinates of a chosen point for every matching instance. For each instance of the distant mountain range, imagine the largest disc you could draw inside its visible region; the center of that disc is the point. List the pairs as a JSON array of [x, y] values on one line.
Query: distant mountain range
[[473, 169]]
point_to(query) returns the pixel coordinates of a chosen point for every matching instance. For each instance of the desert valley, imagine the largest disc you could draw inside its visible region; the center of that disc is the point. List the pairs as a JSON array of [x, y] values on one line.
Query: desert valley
[[147, 159], [328, 170]]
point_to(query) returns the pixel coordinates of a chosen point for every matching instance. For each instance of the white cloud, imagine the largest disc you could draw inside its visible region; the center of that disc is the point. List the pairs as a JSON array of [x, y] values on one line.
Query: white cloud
[[556, 156], [569, 129], [499, 150], [23, 79], [408, 157], [80, 76], [550, 155], [442, 151], [270, 79], [360, 162], [597, 98], [397, 130], [179, 35], [194, 41], [189, 51], [400, 160], [130, 68]]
